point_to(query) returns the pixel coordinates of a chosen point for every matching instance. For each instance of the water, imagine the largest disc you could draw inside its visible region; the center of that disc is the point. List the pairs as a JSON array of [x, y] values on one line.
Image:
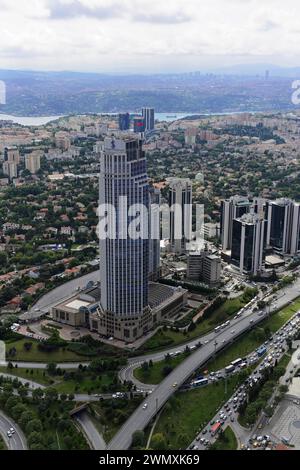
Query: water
[[42, 120]]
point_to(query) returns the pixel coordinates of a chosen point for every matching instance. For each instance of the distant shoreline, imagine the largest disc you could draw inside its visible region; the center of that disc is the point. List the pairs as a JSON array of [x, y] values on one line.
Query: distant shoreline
[[169, 117]]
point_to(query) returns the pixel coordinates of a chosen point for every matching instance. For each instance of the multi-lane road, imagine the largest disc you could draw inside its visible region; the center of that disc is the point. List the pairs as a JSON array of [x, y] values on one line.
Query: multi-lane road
[[160, 395], [17, 441]]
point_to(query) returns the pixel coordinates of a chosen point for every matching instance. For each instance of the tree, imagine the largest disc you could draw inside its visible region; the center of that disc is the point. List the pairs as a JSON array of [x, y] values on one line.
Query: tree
[[158, 442], [52, 368], [138, 438]]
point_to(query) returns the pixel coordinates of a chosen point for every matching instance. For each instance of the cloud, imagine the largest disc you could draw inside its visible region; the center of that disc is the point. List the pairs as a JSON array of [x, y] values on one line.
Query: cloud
[[162, 18], [59, 10]]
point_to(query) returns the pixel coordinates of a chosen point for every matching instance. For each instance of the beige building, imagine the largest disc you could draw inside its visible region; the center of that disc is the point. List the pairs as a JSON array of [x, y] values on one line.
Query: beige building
[[33, 162], [10, 169], [84, 310]]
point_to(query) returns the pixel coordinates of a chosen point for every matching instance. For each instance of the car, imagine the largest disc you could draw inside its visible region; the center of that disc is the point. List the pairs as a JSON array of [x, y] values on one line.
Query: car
[[232, 332], [232, 419], [12, 430], [145, 406], [175, 384], [198, 439], [204, 431], [9, 434], [206, 342]]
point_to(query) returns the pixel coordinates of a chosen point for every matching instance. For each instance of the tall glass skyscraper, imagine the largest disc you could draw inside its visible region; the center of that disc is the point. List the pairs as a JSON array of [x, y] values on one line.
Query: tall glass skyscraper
[[149, 118], [124, 260]]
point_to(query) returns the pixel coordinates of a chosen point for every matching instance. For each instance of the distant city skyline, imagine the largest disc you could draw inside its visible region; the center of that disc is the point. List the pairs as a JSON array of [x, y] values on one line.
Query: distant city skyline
[[147, 36]]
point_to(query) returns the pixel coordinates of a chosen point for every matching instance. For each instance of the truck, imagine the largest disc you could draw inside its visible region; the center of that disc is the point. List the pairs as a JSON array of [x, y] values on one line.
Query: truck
[[261, 351]]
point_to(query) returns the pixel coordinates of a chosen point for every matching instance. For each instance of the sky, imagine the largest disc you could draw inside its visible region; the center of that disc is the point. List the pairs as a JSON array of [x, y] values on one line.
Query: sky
[[146, 36]]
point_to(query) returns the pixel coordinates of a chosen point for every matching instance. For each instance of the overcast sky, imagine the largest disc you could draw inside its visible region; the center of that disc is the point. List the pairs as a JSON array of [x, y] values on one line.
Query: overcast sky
[[147, 35]]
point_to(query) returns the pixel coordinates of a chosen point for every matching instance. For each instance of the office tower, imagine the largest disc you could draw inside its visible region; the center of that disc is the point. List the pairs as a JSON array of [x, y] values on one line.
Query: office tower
[[139, 124], [154, 231], [124, 121], [33, 162], [204, 266], [12, 155], [232, 208], [124, 265], [180, 203], [149, 118], [283, 226], [248, 243], [10, 169]]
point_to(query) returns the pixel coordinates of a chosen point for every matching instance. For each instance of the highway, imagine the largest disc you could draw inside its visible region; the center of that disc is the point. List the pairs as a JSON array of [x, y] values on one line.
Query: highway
[[17, 441], [142, 416], [93, 435]]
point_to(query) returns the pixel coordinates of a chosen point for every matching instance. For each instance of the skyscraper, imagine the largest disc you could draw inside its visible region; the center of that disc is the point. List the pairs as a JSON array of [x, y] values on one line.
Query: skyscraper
[[124, 265], [248, 243], [124, 121], [154, 231], [232, 208], [149, 118], [180, 203], [283, 226]]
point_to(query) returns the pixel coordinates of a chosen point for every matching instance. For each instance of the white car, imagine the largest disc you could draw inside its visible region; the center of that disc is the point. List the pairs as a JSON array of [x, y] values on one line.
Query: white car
[[145, 406], [12, 430]]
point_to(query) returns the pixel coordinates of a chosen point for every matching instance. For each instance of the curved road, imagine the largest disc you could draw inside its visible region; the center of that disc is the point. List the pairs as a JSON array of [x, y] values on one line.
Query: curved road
[[58, 294], [17, 441]]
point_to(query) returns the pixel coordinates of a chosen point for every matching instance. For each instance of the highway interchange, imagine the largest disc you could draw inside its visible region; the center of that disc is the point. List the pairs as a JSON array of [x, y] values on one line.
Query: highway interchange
[[212, 343]]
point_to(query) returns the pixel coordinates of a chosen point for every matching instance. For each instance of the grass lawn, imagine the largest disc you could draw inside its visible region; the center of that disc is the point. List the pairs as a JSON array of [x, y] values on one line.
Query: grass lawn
[[36, 375], [188, 412], [162, 339], [225, 441], [248, 343], [35, 355], [88, 383], [154, 375]]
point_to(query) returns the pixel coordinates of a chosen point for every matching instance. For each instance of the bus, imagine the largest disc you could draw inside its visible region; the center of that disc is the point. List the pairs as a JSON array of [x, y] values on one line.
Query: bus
[[229, 369], [215, 429], [199, 383], [237, 362]]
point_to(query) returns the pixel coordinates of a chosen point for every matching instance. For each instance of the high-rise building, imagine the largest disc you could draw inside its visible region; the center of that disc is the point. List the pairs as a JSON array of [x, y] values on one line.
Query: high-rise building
[[204, 266], [154, 231], [248, 243], [139, 125], [283, 226], [149, 118], [190, 136], [124, 266], [232, 208], [124, 121], [12, 155], [180, 203], [10, 169], [33, 162]]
